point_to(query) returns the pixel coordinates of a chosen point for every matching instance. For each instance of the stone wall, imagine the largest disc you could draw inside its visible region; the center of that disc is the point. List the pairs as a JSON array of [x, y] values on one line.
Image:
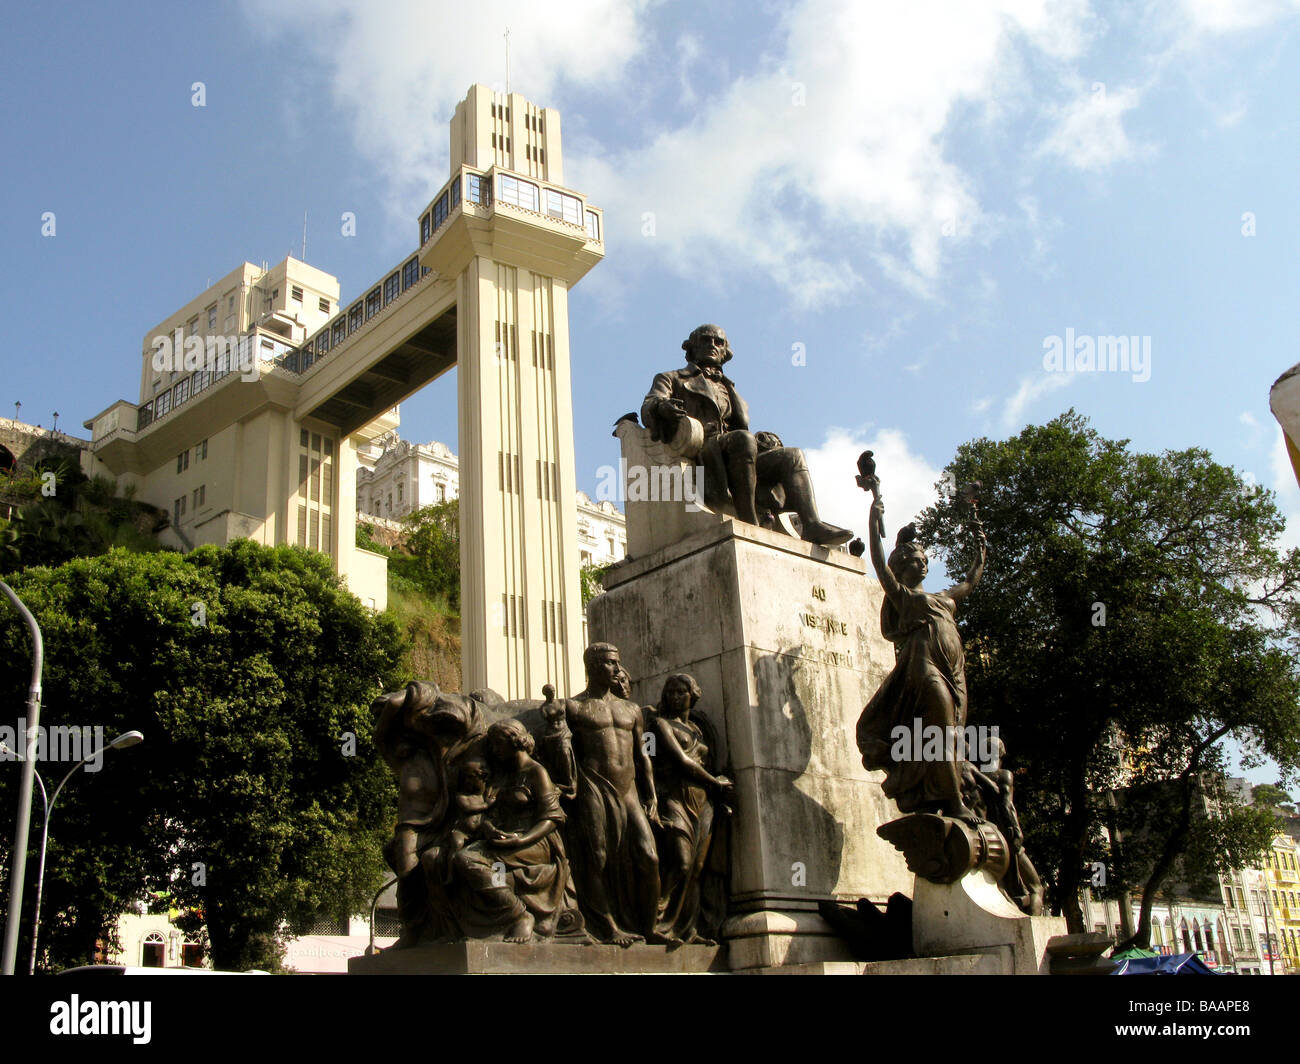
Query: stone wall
[[29, 443]]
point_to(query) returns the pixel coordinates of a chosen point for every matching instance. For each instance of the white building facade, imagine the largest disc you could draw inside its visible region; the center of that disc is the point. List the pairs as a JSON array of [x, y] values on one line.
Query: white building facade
[[395, 477]]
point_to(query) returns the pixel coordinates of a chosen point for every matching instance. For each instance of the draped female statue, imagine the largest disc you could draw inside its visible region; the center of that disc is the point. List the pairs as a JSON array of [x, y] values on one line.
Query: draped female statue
[[689, 797], [927, 687]]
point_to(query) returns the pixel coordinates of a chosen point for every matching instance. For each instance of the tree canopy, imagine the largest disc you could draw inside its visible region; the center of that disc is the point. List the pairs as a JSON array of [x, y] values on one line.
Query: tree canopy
[[1132, 618], [430, 556], [256, 801]]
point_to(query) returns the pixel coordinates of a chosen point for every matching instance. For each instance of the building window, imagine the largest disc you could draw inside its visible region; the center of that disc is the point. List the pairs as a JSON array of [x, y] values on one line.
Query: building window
[[372, 303], [440, 492], [153, 951], [593, 225], [193, 326], [478, 189], [400, 492], [182, 461], [339, 332], [455, 192], [521, 193], [295, 293], [390, 502], [565, 207], [202, 449], [441, 209], [324, 305], [410, 274], [212, 318], [321, 342], [354, 318], [426, 228], [230, 302], [392, 288], [200, 495]]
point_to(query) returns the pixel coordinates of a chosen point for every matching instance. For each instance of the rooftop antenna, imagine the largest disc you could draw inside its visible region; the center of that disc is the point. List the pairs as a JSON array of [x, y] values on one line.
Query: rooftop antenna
[[304, 236], [507, 60]]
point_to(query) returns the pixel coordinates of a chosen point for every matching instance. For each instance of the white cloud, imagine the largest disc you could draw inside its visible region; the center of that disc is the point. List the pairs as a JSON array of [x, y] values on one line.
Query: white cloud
[[907, 479], [837, 142], [1031, 389], [397, 68], [824, 163], [1089, 132], [1227, 16]]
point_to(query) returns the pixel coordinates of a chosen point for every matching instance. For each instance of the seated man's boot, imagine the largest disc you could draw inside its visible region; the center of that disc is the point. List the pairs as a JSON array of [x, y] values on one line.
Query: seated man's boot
[[799, 497], [825, 535]]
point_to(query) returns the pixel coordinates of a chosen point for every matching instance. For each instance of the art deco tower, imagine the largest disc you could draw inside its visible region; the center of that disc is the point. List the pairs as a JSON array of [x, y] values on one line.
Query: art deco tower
[[515, 240]]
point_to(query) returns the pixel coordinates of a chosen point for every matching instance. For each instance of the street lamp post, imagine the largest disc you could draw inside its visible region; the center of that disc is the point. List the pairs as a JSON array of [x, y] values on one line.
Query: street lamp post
[[120, 743], [22, 822]]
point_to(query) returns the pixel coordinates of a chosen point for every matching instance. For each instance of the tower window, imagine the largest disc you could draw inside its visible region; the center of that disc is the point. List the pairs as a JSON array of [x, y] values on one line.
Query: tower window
[[478, 189], [295, 293], [324, 305], [567, 208], [521, 193]]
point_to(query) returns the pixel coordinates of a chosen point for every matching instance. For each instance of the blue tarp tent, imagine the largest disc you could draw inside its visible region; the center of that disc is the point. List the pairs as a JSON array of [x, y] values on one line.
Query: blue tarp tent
[[1178, 964]]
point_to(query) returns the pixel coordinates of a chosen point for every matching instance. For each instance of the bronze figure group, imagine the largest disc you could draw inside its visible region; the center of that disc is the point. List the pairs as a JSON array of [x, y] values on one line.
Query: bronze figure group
[[592, 817], [580, 818]]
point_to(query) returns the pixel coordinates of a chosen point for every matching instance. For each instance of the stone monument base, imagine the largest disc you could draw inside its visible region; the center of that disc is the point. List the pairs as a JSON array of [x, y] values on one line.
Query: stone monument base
[[961, 964], [973, 916], [486, 957], [783, 637]]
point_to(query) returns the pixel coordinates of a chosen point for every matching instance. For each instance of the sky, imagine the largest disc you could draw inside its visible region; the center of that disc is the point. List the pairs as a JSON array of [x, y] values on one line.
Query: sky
[[891, 208]]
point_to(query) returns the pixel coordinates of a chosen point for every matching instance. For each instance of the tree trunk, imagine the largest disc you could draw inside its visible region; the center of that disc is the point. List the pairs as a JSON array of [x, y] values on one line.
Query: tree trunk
[[1174, 845], [1074, 851]]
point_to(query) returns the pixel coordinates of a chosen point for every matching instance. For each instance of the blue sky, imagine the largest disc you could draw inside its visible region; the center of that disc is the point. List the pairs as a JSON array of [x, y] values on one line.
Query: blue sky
[[918, 197]]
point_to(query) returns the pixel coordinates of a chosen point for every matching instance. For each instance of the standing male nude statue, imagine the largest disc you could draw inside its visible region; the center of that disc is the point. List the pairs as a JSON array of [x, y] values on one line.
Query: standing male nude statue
[[602, 763]]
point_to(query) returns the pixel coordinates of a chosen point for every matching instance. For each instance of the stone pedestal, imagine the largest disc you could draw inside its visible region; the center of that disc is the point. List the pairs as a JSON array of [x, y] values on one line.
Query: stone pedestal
[[784, 638], [489, 957], [973, 916]]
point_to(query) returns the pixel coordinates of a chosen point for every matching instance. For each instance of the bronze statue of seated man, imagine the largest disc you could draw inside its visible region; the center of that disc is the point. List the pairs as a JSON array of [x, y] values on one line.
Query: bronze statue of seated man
[[738, 466]]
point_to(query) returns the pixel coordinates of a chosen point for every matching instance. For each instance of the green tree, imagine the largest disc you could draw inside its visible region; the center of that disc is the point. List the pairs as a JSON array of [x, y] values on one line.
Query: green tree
[[1127, 625], [431, 552], [590, 578], [1272, 796], [71, 516], [256, 801]]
